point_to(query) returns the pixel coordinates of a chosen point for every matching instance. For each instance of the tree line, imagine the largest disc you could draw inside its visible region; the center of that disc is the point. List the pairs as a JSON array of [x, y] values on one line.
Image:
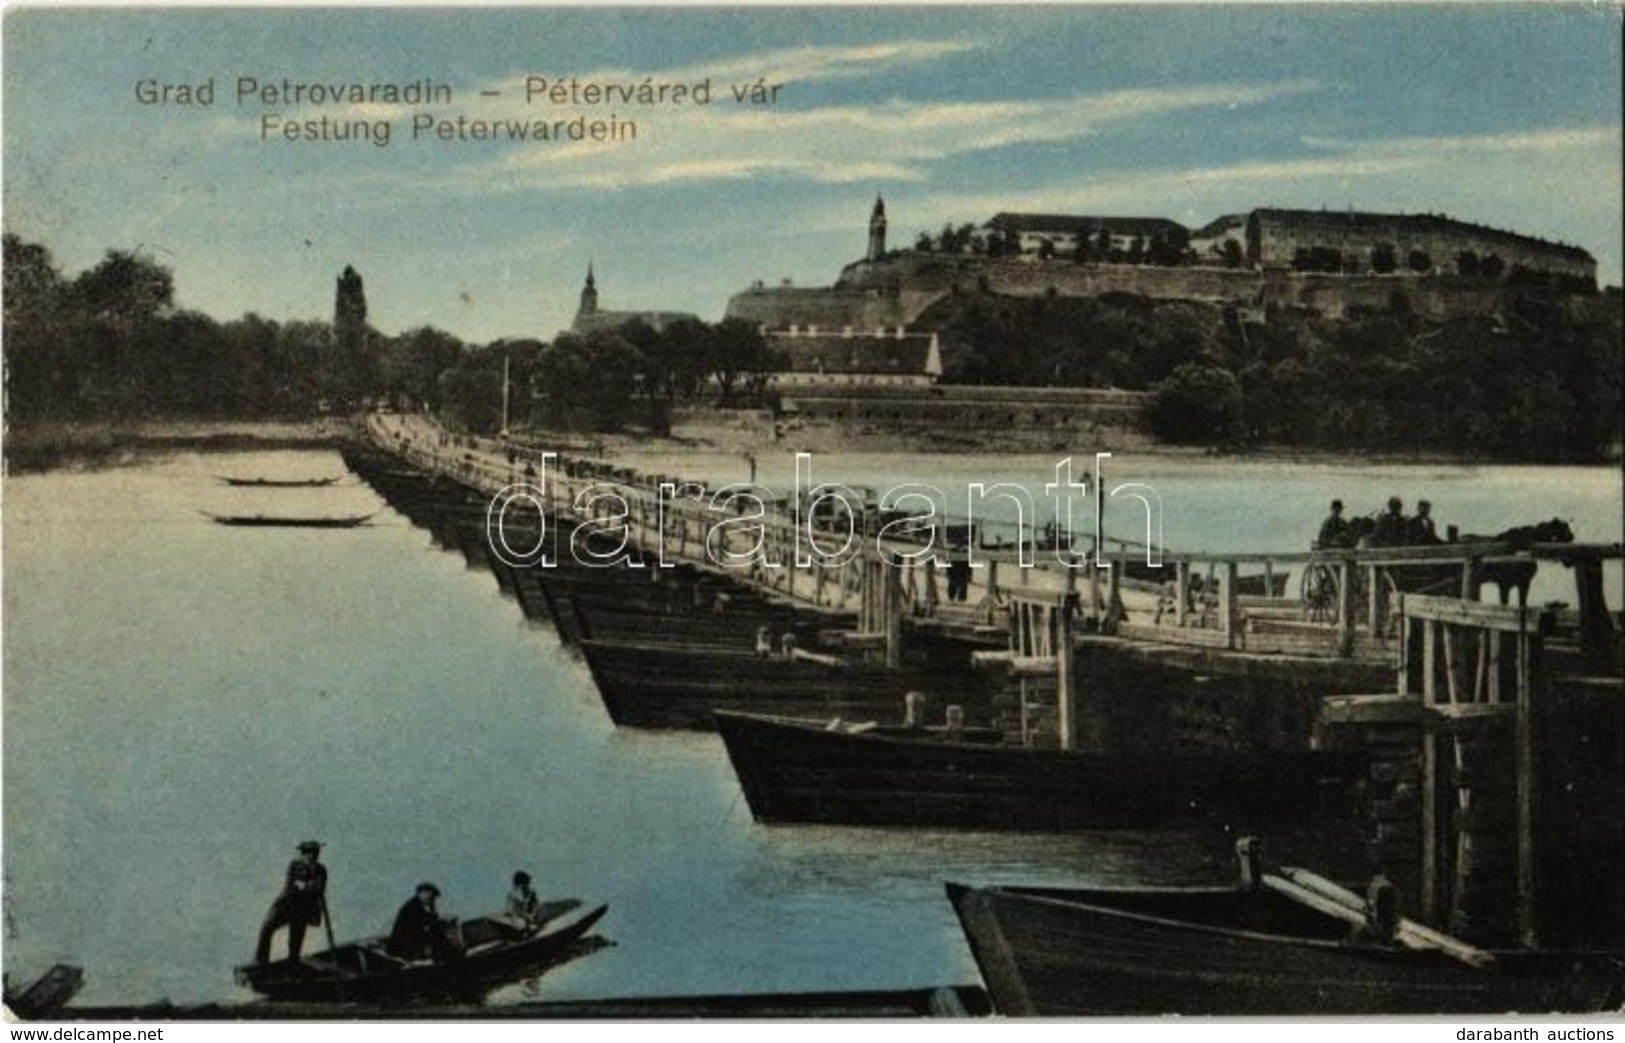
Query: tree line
[[111, 344], [1537, 379]]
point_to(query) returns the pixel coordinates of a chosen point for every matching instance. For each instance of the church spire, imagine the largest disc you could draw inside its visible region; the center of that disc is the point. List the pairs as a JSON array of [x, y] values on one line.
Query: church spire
[[877, 230], [589, 295]]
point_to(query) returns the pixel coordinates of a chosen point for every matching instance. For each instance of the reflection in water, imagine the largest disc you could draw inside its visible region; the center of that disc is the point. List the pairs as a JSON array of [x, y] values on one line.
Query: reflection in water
[[184, 702]]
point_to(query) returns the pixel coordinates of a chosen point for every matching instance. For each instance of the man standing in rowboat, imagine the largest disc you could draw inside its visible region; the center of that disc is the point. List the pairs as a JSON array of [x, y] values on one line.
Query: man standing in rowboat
[[300, 904]]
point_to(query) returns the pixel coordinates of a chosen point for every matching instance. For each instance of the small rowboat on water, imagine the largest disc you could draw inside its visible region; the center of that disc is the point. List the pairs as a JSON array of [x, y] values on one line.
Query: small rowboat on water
[[349, 521], [279, 483], [494, 951]]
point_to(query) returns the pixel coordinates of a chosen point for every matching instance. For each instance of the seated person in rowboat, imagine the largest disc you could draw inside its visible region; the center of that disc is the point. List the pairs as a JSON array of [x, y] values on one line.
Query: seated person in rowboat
[[524, 907], [299, 905], [419, 932]]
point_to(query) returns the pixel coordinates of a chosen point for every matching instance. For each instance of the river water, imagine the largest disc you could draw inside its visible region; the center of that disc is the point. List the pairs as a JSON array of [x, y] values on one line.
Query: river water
[[184, 702]]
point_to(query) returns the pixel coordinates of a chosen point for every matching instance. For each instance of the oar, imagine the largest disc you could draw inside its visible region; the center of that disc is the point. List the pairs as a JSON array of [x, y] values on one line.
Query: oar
[[1324, 896], [1408, 933], [332, 947]]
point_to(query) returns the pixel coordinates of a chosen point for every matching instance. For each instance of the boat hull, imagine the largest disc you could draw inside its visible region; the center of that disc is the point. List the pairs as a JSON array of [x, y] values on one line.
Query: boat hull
[[363, 972], [261, 520], [798, 771], [1193, 951], [681, 686]]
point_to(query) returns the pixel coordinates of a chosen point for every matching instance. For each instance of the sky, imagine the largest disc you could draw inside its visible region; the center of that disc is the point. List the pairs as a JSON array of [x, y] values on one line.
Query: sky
[[1505, 115]]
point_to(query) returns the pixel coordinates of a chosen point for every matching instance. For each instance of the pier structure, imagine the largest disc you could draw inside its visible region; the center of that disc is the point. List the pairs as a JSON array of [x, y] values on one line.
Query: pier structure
[[1294, 626], [1496, 789]]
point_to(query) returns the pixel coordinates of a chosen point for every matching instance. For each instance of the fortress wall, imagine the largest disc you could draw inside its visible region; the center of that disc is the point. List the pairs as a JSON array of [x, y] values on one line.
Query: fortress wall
[[898, 288], [1279, 241], [831, 309]]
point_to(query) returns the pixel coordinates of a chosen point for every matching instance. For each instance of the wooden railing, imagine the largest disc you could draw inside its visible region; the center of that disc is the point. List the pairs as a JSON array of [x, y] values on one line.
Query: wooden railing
[[1330, 602]]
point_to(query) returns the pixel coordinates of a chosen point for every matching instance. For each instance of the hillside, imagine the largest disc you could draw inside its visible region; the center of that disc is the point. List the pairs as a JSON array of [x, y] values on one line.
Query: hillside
[[1536, 375]]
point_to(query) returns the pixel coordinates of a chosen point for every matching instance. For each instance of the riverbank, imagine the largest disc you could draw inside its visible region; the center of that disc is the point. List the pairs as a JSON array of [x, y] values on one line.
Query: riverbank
[[57, 445], [720, 449]]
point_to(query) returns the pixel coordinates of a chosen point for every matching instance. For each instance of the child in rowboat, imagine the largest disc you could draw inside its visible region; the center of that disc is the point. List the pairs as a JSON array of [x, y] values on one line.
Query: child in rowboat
[[524, 907]]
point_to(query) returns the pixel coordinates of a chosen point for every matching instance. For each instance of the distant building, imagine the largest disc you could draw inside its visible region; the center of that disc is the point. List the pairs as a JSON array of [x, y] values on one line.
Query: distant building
[[817, 356], [1356, 242], [590, 318], [1029, 233], [1211, 244]]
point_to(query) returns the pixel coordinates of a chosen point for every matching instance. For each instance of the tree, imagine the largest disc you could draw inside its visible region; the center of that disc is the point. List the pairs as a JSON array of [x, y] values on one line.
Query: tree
[[33, 286], [1419, 261], [1198, 403], [1384, 258], [1232, 253], [411, 364], [739, 358], [125, 290], [1467, 264], [471, 395]]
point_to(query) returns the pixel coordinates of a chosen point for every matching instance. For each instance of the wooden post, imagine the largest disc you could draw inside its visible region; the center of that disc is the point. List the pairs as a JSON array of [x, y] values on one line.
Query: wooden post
[[1114, 598], [1430, 782], [1373, 602], [1182, 591], [1406, 625], [891, 585], [1599, 644], [1269, 578], [1345, 608], [1228, 614], [1066, 694], [1527, 764]]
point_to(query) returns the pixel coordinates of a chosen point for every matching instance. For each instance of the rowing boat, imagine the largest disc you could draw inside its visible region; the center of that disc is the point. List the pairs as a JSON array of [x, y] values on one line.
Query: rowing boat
[[1070, 952], [349, 521], [279, 483], [494, 951], [869, 774]]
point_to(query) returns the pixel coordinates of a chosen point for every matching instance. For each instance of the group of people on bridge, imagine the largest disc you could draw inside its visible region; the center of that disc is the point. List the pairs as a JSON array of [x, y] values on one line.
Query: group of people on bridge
[[1390, 528]]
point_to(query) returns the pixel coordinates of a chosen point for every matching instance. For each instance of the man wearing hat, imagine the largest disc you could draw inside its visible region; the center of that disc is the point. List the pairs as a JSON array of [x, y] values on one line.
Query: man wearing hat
[[1335, 531], [1393, 527], [419, 933], [1420, 531], [300, 905]]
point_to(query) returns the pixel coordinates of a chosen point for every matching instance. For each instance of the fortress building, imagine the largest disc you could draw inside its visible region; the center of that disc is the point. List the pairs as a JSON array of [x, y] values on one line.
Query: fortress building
[[1354, 242], [590, 319], [1060, 234], [815, 357], [1322, 261]]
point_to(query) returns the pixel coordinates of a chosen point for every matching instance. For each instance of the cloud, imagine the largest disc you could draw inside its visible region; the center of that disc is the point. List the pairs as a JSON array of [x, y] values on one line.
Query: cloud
[[896, 141], [1541, 140]]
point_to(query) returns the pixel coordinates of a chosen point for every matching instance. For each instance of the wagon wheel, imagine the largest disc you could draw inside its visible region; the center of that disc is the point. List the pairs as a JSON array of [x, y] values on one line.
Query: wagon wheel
[[1318, 591]]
